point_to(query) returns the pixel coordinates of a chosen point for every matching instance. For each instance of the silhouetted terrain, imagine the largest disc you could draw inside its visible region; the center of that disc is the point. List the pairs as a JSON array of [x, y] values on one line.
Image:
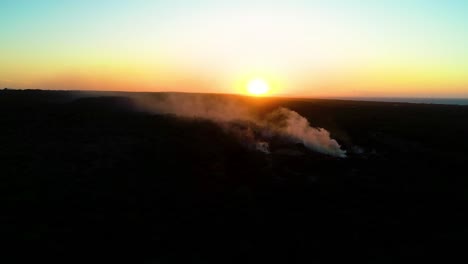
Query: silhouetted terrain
[[93, 177]]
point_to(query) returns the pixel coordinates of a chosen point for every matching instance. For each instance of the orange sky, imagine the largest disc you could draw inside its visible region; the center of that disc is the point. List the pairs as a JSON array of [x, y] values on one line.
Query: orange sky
[[301, 48]]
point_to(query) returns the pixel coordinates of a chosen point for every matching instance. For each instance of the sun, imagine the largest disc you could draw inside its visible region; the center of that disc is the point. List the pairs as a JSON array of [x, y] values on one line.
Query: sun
[[258, 87]]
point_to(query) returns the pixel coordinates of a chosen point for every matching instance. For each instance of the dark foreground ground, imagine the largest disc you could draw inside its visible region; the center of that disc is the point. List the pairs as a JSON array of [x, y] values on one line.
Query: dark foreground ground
[[92, 180]]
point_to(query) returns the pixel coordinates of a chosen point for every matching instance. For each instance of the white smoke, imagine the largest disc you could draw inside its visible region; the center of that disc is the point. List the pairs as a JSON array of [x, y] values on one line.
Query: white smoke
[[263, 147], [235, 117], [297, 127]]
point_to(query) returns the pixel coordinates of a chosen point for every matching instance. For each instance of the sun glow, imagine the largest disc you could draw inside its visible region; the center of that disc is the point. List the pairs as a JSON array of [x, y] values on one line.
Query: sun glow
[[258, 87]]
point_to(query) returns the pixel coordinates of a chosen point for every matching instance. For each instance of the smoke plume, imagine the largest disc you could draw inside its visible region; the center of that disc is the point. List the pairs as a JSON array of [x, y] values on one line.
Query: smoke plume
[[291, 124], [237, 119]]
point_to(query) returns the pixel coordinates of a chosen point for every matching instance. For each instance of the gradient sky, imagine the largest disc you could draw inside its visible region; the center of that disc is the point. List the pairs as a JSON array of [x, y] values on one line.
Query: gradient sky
[[302, 48]]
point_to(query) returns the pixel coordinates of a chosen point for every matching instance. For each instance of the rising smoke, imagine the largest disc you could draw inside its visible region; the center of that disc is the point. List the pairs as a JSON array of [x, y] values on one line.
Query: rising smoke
[[237, 119], [291, 124]]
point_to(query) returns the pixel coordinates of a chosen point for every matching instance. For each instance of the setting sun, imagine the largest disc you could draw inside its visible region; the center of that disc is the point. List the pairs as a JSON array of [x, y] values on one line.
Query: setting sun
[[258, 87]]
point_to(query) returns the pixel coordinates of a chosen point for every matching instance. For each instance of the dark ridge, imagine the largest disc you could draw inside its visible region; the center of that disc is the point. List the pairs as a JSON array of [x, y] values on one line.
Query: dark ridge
[[87, 177]]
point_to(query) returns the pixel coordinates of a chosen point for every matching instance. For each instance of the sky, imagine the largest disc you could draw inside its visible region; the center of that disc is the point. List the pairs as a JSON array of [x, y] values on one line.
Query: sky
[[398, 48]]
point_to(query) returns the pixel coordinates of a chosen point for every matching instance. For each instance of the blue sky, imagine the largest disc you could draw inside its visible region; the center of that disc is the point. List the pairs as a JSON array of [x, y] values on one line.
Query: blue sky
[[373, 45]]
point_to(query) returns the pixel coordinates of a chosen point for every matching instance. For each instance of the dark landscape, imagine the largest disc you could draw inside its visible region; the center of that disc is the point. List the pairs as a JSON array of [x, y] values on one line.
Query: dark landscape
[[103, 177]]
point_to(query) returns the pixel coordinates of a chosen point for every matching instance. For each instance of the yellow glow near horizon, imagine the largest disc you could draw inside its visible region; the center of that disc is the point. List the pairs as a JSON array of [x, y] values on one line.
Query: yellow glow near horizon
[[258, 87], [301, 48]]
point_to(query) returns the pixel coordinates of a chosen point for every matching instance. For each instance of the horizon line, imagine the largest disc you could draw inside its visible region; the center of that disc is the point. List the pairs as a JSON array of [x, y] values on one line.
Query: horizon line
[[240, 94]]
